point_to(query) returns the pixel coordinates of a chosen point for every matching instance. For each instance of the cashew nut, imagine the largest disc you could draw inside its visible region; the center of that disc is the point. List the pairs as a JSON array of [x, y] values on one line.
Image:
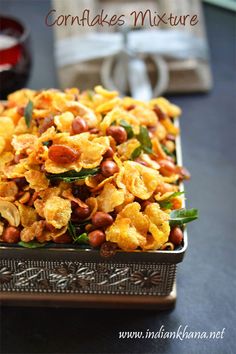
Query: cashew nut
[[10, 212]]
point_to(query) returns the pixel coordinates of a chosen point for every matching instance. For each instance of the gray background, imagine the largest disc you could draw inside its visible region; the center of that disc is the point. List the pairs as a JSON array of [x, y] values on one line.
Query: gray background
[[206, 278]]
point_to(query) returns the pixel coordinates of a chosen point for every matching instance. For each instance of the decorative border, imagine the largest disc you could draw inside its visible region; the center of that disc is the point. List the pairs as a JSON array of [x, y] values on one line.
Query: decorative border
[[47, 276]]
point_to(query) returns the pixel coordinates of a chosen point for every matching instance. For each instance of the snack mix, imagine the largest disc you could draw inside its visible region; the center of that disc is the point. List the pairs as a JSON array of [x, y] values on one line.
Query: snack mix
[[90, 169]]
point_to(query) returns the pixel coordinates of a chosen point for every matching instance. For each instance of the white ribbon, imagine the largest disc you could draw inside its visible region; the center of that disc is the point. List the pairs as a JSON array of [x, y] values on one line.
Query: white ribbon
[[156, 43], [170, 43]]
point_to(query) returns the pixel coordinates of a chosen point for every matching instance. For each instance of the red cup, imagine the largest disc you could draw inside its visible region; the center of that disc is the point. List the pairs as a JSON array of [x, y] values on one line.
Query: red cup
[[15, 55]]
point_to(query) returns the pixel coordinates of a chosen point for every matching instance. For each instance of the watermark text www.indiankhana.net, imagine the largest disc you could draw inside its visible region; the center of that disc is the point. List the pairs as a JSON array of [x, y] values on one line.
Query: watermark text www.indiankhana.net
[[182, 333]]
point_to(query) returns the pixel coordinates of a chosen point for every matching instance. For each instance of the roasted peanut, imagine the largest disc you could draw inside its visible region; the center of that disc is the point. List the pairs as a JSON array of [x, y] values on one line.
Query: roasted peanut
[[109, 153], [81, 213], [167, 168], [152, 129], [101, 219], [96, 238], [176, 236], [21, 110], [118, 133], [159, 112], [163, 188], [47, 123], [74, 205], [171, 159], [89, 228], [129, 108], [11, 235], [170, 137], [183, 172], [138, 160], [62, 154], [65, 238], [108, 168], [98, 178], [94, 131], [79, 126]]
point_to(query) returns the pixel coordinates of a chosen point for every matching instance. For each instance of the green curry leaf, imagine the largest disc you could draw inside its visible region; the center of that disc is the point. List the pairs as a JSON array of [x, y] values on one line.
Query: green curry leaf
[[82, 239], [182, 216], [128, 128], [144, 139], [31, 244], [28, 113], [136, 153], [145, 143], [71, 230], [72, 176], [168, 153]]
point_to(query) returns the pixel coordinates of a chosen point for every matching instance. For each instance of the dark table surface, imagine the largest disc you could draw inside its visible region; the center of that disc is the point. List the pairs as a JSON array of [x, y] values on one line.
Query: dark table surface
[[206, 278]]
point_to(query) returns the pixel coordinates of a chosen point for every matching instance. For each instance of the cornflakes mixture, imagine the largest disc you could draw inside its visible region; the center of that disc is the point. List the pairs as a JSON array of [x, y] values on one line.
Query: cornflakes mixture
[[90, 168]]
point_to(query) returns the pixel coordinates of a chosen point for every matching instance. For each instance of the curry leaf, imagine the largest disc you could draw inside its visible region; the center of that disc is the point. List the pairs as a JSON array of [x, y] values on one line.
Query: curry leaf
[[167, 202], [82, 239], [164, 148], [182, 216], [31, 244], [148, 150], [145, 143], [71, 230], [28, 113], [72, 176], [136, 153], [144, 139], [128, 128]]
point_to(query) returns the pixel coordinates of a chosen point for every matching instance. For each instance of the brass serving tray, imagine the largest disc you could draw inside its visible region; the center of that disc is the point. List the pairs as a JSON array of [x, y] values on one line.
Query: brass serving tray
[[64, 275]]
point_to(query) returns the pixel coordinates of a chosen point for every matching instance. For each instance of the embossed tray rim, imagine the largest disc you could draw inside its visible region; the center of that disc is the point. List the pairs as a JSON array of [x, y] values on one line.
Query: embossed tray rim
[[92, 301]]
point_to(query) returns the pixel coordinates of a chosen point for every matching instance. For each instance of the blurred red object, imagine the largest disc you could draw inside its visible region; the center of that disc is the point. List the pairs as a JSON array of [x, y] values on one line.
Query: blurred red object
[[15, 56]]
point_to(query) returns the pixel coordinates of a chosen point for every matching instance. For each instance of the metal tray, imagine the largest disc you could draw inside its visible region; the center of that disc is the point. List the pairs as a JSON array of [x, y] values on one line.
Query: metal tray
[[63, 275]]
